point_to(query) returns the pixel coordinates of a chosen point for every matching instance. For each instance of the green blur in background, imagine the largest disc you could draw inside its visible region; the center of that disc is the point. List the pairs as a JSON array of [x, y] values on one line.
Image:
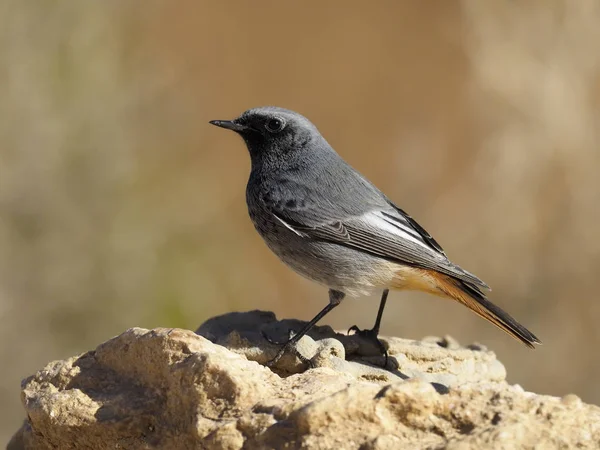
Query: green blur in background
[[120, 206]]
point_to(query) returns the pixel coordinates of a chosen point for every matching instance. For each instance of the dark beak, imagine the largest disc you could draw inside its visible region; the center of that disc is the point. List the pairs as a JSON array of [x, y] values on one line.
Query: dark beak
[[229, 125]]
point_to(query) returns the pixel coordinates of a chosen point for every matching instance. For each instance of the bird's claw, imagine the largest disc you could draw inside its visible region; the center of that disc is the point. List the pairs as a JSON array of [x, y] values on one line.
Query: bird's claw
[[309, 362], [291, 334], [284, 346], [371, 335], [355, 329]]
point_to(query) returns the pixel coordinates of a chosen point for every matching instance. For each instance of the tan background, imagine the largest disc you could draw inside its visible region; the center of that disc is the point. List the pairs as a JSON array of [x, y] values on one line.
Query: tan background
[[120, 206]]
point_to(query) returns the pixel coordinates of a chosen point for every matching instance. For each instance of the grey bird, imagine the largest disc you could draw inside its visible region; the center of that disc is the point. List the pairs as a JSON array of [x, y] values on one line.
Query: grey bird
[[330, 224]]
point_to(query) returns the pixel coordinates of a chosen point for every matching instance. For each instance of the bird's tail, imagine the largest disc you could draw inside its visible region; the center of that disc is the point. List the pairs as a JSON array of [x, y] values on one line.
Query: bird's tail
[[466, 293], [470, 296]]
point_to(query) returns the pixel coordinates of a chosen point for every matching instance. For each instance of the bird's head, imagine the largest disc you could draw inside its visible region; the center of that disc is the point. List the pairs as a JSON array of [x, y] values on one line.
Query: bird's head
[[271, 132]]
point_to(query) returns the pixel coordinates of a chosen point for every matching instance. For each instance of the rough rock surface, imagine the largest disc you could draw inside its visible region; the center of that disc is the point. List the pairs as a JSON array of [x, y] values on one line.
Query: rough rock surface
[[441, 361], [174, 389]]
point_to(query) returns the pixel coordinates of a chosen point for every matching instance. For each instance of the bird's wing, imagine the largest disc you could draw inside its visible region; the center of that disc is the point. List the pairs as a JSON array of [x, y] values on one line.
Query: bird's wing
[[412, 226], [388, 233]]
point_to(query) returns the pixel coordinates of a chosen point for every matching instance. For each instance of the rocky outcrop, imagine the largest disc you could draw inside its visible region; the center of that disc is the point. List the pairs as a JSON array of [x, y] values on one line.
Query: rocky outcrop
[[175, 389]]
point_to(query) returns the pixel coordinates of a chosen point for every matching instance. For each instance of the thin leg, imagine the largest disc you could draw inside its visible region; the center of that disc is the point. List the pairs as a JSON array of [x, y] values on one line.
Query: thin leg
[[335, 298], [384, 297], [374, 332]]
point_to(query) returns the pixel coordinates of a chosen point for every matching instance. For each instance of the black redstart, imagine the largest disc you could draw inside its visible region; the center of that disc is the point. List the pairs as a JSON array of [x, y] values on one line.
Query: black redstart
[[330, 224]]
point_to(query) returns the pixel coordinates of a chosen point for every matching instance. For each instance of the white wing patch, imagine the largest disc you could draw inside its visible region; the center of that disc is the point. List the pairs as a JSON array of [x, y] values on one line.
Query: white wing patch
[[377, 220], [289, 227]]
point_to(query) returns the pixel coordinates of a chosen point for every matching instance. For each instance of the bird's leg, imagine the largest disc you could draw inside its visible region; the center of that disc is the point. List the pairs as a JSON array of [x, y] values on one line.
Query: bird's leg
[[335, 298], [374, 332]]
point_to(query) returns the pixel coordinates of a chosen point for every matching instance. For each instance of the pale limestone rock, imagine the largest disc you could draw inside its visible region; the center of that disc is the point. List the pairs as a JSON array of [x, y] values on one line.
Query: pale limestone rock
[[174, 389]]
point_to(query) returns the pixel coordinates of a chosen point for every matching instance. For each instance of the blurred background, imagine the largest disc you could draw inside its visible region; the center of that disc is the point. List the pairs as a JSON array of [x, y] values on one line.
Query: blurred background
[[120, 206]]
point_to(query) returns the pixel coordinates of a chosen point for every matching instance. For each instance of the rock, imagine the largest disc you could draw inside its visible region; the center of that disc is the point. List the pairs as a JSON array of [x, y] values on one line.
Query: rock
[[436, 360], [174, 389]]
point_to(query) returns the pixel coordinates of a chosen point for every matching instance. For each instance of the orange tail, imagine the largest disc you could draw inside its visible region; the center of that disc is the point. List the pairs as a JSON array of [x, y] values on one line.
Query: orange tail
[[470, 296]]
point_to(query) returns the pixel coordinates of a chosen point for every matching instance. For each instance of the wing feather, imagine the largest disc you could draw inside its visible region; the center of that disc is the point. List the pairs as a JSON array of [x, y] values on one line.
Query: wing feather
[[382, 234]]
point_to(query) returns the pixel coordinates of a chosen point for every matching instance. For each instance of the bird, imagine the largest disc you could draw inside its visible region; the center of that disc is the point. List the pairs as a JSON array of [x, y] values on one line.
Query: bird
[[330, 224]]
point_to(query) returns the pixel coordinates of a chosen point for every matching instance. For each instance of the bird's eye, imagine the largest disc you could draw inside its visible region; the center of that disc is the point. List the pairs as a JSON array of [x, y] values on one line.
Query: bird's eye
[[275, 125]]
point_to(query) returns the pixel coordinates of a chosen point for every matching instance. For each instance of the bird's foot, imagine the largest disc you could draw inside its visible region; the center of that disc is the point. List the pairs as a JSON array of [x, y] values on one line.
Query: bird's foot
[[285, 346], [371, 335]]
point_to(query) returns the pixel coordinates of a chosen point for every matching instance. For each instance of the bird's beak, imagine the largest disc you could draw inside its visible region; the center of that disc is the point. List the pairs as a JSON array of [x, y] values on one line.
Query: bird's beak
[[229, 125]]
